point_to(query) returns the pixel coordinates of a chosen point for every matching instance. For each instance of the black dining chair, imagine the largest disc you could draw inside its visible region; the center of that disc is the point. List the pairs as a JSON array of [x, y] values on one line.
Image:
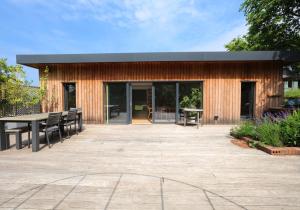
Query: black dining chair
[[77, 117], [69, 121], [52, 125]]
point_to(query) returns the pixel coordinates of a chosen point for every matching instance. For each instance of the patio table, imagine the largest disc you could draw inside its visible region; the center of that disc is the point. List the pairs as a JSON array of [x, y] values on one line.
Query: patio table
[[34, 120], [198, 111]]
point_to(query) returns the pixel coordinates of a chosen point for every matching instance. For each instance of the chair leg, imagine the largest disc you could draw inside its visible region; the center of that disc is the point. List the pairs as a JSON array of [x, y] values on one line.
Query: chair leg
[[60, 138], [68, 131], [29, 139], [7, 140], [47, 137], [76, 128]]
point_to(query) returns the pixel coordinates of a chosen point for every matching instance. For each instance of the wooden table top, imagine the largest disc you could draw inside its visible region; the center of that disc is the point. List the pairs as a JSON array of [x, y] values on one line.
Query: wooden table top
[[30, 117]]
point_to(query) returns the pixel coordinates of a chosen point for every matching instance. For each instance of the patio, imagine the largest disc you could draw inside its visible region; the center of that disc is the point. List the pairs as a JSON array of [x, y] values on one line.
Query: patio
[[148, 167]]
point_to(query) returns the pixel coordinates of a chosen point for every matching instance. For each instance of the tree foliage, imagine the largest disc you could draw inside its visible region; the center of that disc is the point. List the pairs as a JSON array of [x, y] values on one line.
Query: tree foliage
[[15, 89], [273, 25], [238, 44]]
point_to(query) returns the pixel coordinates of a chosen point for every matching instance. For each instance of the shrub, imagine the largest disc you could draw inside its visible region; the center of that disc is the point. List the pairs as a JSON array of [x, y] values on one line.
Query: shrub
[[290, 130], [247, 128], [269, 133]]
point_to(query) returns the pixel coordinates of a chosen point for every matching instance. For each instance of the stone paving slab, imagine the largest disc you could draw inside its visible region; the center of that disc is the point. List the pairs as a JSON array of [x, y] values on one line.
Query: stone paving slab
[[148, 167]]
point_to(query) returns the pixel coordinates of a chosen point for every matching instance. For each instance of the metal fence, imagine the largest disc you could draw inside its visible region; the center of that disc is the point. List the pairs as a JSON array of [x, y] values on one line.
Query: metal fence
[[7, 110]]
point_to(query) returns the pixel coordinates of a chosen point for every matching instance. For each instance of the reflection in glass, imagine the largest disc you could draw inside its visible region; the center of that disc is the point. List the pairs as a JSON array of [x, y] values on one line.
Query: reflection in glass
[[115, 105], [185, 90], [165, 102]]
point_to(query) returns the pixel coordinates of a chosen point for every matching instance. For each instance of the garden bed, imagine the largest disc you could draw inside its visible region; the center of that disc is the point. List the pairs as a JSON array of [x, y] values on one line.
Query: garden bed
[[275, 134]]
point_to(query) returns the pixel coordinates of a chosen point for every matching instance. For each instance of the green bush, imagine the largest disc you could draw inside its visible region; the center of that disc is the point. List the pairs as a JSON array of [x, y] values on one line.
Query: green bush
[[246, 129], [269, 133], [282, 133], [290, 130]]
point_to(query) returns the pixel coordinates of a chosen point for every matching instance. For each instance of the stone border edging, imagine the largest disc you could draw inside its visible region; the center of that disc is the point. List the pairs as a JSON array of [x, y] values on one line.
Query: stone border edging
[[272, 150]]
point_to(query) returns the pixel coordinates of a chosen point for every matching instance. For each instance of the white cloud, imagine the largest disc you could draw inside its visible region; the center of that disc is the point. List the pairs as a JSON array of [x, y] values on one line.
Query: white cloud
[[150, 25], [217, 43], [127, 12]]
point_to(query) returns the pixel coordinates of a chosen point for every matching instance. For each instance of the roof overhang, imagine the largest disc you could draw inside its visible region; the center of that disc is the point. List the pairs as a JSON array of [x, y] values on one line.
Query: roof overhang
[[241, 56]]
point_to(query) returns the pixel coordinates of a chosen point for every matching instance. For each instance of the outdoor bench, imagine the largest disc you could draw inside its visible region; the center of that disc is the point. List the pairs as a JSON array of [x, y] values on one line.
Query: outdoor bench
[[18, 134]]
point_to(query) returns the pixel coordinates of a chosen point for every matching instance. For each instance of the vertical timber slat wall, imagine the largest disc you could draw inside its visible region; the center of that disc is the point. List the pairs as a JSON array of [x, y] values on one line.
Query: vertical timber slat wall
[[221, 84]]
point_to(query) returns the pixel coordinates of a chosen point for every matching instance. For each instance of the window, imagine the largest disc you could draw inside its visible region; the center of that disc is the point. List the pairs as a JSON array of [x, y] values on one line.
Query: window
[[69, 96], [290, 84]]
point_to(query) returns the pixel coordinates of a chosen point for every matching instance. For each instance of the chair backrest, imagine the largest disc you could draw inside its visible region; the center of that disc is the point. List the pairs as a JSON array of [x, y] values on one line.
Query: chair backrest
[[53, 118], [71, 115]]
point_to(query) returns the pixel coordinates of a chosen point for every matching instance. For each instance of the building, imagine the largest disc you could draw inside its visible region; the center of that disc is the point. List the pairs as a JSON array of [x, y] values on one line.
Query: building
[[291, 77], [135, 87]]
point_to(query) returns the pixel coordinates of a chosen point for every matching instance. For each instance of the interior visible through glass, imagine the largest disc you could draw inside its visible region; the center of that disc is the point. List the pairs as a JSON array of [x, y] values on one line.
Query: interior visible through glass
[[141, 102]]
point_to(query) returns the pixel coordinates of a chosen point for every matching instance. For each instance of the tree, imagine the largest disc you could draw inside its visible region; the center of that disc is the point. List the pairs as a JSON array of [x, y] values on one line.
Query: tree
[[273, 25], [15, 89], [238, 44]]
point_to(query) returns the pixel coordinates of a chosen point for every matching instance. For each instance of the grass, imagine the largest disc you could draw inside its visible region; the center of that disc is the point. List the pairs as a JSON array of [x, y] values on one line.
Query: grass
[[292, 93]]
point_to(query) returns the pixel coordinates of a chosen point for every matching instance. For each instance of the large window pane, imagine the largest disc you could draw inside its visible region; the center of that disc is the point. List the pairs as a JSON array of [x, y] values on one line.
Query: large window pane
[[186, 90], [165, 102], [190, 96], [69, 96], [116, 103]]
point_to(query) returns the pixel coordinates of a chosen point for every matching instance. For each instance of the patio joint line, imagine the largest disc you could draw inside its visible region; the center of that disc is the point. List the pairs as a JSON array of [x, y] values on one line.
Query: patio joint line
[[162, 193], [208, 199], [19, 194], [113, 192], [72, 189], [30, 196]]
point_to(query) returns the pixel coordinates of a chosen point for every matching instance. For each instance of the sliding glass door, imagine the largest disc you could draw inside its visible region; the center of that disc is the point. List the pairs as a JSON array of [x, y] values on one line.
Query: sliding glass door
[[116, 103], [190, 96], [165, 102]]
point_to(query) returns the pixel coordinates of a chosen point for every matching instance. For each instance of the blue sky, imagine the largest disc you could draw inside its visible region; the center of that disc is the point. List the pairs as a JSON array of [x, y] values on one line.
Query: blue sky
[[108, 26]]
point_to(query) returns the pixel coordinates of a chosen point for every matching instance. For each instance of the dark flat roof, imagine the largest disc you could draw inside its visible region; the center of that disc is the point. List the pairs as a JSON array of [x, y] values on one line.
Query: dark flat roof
[[159, 56]]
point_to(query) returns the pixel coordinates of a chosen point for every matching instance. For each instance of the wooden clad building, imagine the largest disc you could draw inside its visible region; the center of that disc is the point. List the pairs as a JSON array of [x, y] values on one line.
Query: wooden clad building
[[127, 87]]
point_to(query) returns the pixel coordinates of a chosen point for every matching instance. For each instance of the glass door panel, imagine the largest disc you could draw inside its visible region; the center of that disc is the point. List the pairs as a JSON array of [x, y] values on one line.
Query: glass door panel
[[69, 96], [247, 99], [116, 107], [190, 96], [165, 102]]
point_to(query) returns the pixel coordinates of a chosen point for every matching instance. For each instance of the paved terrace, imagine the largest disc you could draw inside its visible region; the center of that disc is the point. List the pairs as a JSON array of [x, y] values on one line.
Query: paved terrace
[[148, 167]]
